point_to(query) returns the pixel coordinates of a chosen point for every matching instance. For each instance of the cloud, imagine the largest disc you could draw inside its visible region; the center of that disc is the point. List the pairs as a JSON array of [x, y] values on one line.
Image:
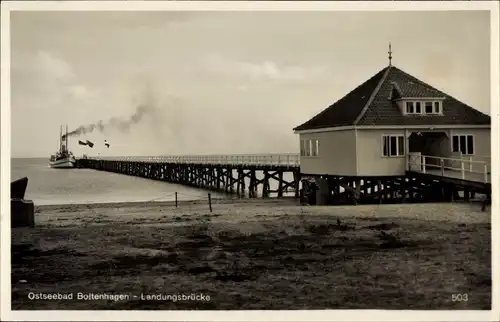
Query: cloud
[[79, 92], [51, 76], [267, 69], [49, 65]]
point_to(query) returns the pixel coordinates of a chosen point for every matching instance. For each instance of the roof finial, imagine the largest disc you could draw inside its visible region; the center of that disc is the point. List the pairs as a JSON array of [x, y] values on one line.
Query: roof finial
[[390, 55]]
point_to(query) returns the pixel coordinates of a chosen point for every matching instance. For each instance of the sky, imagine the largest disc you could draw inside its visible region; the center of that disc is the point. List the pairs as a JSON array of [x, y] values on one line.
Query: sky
[[221, 82]]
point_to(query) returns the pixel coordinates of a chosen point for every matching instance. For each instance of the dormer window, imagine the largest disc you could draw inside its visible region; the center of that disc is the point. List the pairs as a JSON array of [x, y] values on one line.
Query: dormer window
[[437, 107], [410, 108], [413, 107], [418, 108], [423, 107], [428, 107]]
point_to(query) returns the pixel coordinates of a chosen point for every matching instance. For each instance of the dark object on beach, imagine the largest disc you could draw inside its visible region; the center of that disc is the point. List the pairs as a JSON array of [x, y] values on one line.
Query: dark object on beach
[[90, 144], [310, 189], [82, 143], [18, 188], [106, 143], [312, 198], [485, 202], [22, 212]]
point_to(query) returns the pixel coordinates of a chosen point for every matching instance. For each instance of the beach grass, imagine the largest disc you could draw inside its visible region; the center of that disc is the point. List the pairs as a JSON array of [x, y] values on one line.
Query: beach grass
[[256, 255]]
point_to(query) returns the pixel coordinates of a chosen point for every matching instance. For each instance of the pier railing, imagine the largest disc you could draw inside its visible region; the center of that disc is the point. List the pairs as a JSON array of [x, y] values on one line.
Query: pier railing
[[284, 159], [465, 168]]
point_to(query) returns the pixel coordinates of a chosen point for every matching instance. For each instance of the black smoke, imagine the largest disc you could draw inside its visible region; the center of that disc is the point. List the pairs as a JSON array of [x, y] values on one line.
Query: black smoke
[[114, 124]]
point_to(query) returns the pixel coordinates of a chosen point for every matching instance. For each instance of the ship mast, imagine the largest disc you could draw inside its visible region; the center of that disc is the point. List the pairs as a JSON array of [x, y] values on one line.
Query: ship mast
[[60, 137]]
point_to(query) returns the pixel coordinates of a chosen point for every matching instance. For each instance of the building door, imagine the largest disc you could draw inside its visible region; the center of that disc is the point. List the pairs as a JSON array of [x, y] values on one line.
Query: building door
[[433, 145]]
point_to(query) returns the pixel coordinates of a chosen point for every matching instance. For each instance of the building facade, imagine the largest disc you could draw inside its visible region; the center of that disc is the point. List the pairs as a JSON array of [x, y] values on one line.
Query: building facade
[[373, 130]]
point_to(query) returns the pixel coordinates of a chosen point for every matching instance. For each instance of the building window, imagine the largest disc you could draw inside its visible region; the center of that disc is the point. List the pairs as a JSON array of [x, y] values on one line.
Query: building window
[[437, 108], [428, 107], [418, 108], [409, 108], [302, 148], [423, 107], [463, 144], [393, 145], [315, 148], [309, 148]]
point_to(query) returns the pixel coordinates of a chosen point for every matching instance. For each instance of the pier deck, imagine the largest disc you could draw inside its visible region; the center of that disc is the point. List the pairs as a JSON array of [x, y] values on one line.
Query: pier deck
[[250, 176], [243, 175], [284, 160], [465, 173]]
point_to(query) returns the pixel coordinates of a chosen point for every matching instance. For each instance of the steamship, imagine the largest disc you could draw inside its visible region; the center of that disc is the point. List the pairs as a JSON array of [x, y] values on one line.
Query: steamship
[[63, 158]]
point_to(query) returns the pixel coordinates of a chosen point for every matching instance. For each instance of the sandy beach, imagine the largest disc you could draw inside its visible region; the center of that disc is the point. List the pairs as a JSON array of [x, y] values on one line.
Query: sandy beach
[[255, 254]]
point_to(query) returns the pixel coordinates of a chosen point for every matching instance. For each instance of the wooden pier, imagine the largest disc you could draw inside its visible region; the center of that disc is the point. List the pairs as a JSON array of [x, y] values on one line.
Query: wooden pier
[[234, 174], [250, 176]]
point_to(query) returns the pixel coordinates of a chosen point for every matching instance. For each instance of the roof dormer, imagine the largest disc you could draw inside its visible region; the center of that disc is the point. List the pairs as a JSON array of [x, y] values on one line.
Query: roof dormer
[[421, 106], [416, 105]]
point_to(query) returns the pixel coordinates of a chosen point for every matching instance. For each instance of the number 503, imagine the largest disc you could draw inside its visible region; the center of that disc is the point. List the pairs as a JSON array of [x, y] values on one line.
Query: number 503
[[459, 297]]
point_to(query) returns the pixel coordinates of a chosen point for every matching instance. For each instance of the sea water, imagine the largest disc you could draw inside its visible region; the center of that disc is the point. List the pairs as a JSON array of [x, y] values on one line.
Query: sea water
[[48, 186]]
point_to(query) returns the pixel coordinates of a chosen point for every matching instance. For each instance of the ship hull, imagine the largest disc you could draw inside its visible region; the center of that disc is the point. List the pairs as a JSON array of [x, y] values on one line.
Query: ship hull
[[63, 163]]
